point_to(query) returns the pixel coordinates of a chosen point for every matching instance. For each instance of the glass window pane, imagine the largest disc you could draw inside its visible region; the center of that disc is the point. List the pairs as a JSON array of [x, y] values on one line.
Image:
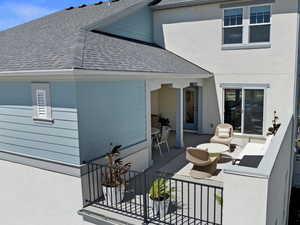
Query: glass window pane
[[254, 112], [260, 33], [233, 106], [233, 17], [190, 106], [233, 35], [260, 14]]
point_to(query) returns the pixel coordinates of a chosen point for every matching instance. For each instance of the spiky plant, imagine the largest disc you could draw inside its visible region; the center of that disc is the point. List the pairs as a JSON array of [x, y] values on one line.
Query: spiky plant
[[114, 174]]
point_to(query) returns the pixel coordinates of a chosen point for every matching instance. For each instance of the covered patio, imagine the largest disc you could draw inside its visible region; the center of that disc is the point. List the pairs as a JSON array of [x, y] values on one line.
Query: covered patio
[[180, 103]]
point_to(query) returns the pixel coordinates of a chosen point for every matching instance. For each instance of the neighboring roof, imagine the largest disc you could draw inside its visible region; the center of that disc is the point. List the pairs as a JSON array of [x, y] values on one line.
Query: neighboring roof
[[167, 4], [62, 41]]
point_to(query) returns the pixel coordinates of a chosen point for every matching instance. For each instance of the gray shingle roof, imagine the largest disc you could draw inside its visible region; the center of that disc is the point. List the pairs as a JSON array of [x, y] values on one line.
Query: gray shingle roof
[[103, 52], [59, 41]]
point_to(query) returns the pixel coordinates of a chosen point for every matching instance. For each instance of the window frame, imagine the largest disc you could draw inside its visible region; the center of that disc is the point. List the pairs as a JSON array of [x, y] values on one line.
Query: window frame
[[243, 88], [259, 24], [233, 26], [246, 27], [46, 87]]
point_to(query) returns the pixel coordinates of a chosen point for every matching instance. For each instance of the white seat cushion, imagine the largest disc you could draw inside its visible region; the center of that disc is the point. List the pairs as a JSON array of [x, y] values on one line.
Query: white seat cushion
[[224, 132]]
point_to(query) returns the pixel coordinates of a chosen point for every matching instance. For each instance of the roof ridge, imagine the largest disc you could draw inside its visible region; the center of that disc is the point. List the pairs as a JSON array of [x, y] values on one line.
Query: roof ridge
[[125, 38], [78, 49]]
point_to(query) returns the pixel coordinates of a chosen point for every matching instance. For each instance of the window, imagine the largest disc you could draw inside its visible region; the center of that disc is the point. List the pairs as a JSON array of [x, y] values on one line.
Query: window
[[247, 25], [41, 101], [260, 24], [233, 26], [244, 110]]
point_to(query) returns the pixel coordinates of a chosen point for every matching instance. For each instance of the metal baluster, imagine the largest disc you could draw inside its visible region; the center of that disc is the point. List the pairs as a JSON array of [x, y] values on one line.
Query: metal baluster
[[207, 218], [182, 202], [221, 206], [176, 202], [195, 203], [188, 203], [215, 205]]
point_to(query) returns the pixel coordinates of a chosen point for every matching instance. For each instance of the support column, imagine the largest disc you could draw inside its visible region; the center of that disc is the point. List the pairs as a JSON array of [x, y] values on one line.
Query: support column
[[179, 118], [200, 110], [148, 121]]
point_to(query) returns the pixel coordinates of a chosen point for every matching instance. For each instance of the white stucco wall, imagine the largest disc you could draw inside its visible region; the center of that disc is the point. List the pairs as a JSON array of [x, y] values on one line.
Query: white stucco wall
[[195, 33], [245, 200], [167, 104], [31, 196], [260, 195]]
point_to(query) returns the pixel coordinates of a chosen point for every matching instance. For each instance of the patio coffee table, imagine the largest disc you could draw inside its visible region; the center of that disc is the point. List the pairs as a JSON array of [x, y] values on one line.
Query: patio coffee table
[[214, 148]]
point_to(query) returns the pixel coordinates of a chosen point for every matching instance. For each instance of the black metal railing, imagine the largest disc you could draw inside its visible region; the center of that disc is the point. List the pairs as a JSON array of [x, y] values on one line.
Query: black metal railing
[[189, 202]]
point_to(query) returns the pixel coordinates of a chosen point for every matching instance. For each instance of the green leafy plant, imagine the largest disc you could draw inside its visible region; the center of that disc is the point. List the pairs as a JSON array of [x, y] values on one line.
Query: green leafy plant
[[219, 199], [113, 175], [159, 190]]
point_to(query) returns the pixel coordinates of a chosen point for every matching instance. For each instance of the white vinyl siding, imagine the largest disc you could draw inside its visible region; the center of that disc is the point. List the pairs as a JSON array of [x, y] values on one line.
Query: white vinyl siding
[[41, 101]]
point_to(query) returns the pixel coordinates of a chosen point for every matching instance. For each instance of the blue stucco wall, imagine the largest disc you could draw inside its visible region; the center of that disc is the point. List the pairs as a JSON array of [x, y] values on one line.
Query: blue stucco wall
[[110, 113], [20, 134], [138, 26]]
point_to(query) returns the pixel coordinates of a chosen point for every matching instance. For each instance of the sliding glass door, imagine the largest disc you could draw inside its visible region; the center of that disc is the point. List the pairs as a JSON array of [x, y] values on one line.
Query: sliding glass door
[[233, 108], [244, 110]]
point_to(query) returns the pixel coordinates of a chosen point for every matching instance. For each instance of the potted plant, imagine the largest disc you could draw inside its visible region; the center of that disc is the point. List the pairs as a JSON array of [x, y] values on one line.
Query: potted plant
[[275, 125], [164, 122], [113, 177], [160, 197]]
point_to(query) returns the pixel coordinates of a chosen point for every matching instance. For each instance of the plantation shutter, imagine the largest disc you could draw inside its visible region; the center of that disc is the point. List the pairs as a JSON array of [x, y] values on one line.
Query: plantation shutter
[[41, 101]]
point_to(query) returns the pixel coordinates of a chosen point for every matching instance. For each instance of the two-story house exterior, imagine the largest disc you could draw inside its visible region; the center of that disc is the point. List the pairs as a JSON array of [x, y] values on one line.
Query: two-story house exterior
[[83, 79]]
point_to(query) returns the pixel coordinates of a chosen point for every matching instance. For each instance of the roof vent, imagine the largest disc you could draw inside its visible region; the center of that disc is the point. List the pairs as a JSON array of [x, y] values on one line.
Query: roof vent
[[70, 8], [82, 6], [98, 3]]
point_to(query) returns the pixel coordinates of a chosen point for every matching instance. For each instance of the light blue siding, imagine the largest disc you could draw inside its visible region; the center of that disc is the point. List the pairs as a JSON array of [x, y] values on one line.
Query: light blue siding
[[136, 26], [20, 134], [110, 113]]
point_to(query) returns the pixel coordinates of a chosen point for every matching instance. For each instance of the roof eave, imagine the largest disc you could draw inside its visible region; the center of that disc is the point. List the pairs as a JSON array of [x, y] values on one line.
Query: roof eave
[[84, 74]]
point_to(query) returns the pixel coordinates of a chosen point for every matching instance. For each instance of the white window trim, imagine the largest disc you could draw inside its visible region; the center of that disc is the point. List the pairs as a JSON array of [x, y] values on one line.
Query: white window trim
[[243, 88], [231, 26], [46, 88], [260, 24], [246, 44]]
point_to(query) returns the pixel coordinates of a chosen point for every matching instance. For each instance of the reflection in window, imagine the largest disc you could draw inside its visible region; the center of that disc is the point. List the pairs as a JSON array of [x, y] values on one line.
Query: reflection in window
[[233, 26], [233, 108], [254, 111], [260, 24]]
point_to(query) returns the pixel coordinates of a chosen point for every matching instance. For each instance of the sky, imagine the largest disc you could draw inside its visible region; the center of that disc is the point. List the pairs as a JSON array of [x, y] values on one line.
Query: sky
[[14, 12]]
